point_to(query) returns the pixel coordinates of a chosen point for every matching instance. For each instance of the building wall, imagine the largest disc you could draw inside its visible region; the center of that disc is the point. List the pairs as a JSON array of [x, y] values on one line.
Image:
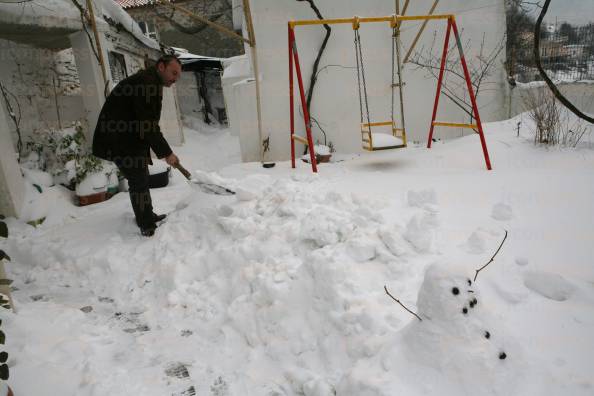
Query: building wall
[[45, 91], [185, 32], [12, 188], [335, 102], [43, 88]]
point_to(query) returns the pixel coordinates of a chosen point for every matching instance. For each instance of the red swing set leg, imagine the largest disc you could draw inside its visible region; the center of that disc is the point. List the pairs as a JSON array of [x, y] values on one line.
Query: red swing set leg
[[452, 27], [309, 140]]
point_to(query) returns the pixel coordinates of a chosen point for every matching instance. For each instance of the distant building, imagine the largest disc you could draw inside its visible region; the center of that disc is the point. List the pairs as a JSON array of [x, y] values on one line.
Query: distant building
[[576, 50], [554, 49]]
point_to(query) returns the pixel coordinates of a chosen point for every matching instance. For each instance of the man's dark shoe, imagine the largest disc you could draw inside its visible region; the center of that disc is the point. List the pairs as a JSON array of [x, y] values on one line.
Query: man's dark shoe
[[158, 218], [147, 232]]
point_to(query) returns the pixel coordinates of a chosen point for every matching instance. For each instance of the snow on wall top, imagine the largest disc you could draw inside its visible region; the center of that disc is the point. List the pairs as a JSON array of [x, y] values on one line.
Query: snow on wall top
[[237, 66], [114, 11], [64, 14]]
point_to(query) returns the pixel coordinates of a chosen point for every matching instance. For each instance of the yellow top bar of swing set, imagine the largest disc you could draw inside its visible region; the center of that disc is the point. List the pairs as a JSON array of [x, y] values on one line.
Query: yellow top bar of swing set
[[356, 20]]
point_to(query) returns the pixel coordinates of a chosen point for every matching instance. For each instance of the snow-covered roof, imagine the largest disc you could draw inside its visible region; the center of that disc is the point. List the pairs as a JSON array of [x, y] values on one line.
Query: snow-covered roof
[[114, 11], [126, 4], [62, 17], [187, 57]]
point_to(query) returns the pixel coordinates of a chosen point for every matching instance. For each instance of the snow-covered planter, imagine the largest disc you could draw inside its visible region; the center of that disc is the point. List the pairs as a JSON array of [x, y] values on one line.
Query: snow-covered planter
[[323, 153], [91, 181], [92, 188]]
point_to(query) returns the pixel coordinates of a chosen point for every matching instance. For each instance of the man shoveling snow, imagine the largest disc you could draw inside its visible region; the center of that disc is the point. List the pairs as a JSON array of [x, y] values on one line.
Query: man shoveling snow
[[128, 128]]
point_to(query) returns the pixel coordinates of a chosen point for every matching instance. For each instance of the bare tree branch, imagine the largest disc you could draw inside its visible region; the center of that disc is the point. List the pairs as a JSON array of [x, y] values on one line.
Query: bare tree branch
[[492, 258], [454, 88], [402, 305]]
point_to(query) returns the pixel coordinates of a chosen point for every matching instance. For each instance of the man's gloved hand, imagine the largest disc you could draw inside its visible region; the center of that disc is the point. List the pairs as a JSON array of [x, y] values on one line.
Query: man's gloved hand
[[172, 160]]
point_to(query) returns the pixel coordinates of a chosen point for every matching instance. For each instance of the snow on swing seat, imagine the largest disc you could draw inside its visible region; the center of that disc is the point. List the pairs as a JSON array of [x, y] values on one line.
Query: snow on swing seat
[[385, 140]]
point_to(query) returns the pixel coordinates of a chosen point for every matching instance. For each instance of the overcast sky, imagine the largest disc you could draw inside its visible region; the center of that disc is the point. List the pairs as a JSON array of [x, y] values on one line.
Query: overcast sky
[[572, 11]]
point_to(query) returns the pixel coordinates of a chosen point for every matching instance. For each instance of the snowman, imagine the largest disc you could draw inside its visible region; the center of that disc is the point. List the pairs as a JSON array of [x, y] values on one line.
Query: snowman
[[456, 345]]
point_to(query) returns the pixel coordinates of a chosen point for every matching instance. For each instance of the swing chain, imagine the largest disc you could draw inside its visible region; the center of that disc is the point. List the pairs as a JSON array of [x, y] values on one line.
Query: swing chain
[[361, 78], [394, 43]]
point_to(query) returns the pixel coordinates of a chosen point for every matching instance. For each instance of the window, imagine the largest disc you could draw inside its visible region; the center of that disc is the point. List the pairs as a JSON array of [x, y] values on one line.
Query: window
[[117, 65], [149, 29]]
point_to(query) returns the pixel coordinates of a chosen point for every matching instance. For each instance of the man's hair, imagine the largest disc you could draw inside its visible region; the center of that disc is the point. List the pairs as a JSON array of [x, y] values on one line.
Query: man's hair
[[167, 59]]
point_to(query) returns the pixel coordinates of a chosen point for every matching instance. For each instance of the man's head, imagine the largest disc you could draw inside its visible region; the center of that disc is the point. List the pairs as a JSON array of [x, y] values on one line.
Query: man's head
[[169, 68]]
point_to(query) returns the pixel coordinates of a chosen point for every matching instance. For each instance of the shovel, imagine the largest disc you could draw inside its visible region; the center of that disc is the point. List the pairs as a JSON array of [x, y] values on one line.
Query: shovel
[[209, 188]]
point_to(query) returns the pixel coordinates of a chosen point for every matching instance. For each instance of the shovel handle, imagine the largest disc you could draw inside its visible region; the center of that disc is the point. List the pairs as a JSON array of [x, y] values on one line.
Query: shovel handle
[[183, 171]]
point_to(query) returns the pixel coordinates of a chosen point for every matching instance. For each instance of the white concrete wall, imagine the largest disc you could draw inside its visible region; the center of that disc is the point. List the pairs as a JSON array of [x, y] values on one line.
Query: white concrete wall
[[244, 93], [236, 69], [335, 103], [170, 123], [187, 92], [581, 94]]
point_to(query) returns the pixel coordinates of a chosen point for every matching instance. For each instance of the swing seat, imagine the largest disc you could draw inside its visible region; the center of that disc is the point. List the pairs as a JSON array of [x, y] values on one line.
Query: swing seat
[[373, 141]]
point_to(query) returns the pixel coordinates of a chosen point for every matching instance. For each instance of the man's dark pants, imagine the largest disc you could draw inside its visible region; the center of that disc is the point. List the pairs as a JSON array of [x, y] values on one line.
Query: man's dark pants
[[135, 169]]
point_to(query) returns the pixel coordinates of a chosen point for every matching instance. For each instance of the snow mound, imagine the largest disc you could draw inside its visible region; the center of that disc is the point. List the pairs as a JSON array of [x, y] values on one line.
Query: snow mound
[[243, 274]]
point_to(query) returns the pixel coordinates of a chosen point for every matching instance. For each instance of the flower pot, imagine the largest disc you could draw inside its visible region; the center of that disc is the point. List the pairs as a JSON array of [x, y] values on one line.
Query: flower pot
[[91, 199], [321, 158]]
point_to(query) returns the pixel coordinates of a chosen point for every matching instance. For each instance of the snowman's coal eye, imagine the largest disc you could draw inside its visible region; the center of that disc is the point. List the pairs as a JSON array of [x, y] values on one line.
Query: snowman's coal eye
[[455, 291], [469, 282]]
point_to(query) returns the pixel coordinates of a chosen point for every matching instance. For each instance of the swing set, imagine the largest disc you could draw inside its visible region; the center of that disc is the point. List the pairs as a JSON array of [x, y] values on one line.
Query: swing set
[[372, 141]]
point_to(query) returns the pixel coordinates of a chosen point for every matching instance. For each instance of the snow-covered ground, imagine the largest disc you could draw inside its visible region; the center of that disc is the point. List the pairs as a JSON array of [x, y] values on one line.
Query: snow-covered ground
[[279, 290]]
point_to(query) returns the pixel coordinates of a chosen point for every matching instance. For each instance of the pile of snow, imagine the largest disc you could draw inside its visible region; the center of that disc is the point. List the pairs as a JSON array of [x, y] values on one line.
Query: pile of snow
[[278, 289]]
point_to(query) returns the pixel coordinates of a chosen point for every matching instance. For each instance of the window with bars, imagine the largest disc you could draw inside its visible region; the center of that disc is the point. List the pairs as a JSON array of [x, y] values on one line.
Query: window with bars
[[117, 64]]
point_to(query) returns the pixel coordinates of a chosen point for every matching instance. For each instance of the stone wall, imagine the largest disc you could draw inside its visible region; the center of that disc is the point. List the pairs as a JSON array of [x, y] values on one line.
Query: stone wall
[[42, 88]]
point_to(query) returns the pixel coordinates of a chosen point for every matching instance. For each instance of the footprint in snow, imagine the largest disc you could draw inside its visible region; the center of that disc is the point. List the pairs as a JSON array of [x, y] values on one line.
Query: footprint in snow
[[425, 199], [549, 285], [502, 212], [179, 372]]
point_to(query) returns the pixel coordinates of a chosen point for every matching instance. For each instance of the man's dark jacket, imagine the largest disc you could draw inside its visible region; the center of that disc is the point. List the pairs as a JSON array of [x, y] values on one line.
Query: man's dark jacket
[[128, 125]]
